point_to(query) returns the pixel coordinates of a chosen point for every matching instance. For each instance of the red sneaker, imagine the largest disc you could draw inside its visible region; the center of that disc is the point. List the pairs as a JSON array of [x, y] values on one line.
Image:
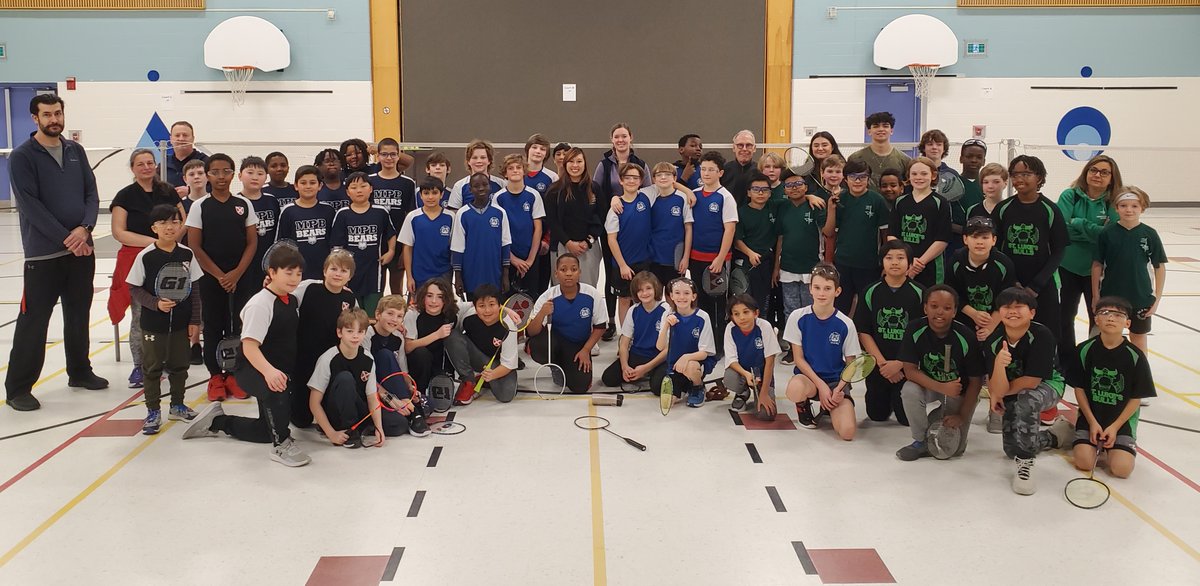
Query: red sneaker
[[465, 394], [1048, 416], [216, 388], [234, 390]]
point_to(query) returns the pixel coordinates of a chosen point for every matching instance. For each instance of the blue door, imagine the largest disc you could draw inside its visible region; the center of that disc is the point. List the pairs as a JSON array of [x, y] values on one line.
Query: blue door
[[899, 97], [16, 130]]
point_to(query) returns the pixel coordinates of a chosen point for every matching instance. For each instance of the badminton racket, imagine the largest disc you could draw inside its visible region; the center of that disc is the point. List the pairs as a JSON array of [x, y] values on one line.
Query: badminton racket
[[858, 368], [594, 423], [666, 394], [275, 247], [943, 441], [385, 398], [799, 161], [448, 428], [1087, 492], [514, 314], [950, 186], [173, 283]]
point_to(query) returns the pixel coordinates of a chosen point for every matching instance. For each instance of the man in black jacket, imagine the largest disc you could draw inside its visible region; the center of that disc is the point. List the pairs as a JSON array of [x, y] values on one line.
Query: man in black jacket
[[737, 171], [56, 196]]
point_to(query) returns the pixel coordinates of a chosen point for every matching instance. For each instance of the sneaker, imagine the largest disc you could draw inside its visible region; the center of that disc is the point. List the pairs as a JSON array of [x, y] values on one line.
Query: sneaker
[[595, 350], [137, 379], [1063, 432], [913, 451], [787, 356], [609, 333], [88, 381], [233, 389], [216, 388], [695, 397], [152, 423], [804, 415], [1022, 482], [995, 422], [354, 439], [181, 413], [26, 402], [739, 401], [289, 454], [465, 394], [417, 426], [520, 364], [1048, 416], [1145, 402], [197, 356], [203, 421]]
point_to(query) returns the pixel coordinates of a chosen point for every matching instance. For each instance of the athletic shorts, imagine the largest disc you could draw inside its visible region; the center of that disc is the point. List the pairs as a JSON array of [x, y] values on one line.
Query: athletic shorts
[[1124, 442], [1138, 324], [620, 286]]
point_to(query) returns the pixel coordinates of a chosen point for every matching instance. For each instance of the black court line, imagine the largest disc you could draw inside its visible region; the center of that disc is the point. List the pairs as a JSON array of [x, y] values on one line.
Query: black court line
[[1155, 423], [775, 500], [389, 571], [8, 323], [754, 453], [433, 458], [737, 419], [805, 560], [1180, 324], [416, 504], [87, 417]]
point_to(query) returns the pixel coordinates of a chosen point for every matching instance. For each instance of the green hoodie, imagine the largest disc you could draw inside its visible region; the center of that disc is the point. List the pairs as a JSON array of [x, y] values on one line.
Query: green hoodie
[[1085, 217]]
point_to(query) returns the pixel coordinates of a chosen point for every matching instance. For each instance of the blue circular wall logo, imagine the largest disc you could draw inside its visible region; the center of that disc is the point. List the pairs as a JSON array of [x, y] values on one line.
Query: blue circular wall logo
[[1084, 127]]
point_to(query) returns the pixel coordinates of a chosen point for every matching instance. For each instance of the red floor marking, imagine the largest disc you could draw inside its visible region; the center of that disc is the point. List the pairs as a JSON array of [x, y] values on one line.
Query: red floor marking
[[1182, 259], [348, 571], [850, 566], [63, 446], [114, 428], [782, 421]]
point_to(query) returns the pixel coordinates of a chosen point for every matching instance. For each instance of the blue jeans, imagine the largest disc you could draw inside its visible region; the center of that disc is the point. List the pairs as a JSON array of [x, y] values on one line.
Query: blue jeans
[[795, 296]]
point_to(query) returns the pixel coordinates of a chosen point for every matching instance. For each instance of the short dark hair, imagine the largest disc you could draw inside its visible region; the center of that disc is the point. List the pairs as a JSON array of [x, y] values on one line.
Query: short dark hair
[[320, 158], [1114, 302], [563, 257], [285, 257], [46, 99], [358, 142], [358, 176], [274, 154], [1032, 163], [437, 158], [740, 299], [892, 172], [880, 118], [307, 170], [183, 123], [388, 142], [683, 140], [891, 245], [756, 175], [1016, 296], [485, 291], [253, 162], [164, 212], [714, 157], [562, 146], [218, 157], [943, 288], [431, 183], [855, 166]]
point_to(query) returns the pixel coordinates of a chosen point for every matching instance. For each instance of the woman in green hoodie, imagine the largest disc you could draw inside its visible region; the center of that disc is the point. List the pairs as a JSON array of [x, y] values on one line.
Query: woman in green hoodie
[[1087, 208]]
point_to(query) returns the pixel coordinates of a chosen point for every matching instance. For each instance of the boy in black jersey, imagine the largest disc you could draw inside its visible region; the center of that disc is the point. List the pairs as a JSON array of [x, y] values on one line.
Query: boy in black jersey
[[1110, 375], [268, 358], [278, 187], [222, 233], [307, 221], [166, 324], [473, 345], [253, 175], [978, 273], [321, 303], [883, 311]]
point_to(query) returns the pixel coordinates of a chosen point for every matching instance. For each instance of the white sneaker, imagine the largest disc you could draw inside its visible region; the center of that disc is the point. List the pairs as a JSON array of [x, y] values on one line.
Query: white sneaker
[[203, 420], [289, 454], [1022, 482], [995, 422], [1064, 432], [596, 350], [1145, 401]]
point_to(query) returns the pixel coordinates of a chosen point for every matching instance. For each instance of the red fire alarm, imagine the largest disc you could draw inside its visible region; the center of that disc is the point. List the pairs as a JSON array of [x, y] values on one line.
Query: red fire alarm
[[71, 84]]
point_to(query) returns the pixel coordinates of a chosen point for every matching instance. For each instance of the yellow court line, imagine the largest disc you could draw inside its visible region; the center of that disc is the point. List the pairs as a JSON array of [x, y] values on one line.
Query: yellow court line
[[64, 369], [599, 561], [90, 327], [1181, 396]]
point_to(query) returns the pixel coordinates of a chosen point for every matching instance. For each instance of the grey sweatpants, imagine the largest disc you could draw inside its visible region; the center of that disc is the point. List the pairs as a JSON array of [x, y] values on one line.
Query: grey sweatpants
[[917, 399], [469, 361]]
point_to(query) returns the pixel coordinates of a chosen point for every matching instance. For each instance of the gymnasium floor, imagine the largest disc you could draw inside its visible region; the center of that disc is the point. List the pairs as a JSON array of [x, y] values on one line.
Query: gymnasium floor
[[523, 497]]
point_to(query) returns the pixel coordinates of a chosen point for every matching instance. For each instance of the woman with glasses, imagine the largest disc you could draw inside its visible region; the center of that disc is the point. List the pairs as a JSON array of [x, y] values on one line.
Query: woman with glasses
[[1087, 208]]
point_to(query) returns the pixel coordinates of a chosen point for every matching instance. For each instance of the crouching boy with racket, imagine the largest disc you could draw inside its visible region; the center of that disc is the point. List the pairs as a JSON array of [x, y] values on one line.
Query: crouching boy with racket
[[1111, 376], [483, 349], [943, 363], [160, 281], [750, 350]]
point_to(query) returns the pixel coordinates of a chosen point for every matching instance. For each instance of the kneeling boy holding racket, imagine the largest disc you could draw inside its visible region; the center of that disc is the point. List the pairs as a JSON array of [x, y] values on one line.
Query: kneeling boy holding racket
[[483, 350]]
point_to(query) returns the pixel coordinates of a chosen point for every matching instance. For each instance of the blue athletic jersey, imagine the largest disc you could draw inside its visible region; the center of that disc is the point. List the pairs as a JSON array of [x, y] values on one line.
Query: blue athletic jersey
[[573, 319], [540, 180], [709, 216], [667, 216], [398, 196], [825, 342], [750, 349], [309, 228], [460, 192], [479, 244], [642, 328], [633, 228], [334, 198], [285, 195], [522, 209], [692, 183], [692, 333], [430, 243], [445, 196], [366, 236]]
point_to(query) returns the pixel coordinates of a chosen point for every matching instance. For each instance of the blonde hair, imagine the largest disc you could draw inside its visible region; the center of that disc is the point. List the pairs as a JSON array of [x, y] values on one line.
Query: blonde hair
[[481, 144], [1143, 197], [993, 169], [922, 160], [662, 167], [772, 159], [341, 258], [833, 161], [390, 302], [514, 159], [355, 317]]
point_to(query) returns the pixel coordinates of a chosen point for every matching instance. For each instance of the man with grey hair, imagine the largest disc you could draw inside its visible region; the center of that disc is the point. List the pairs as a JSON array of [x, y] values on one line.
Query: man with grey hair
[[737, 170]]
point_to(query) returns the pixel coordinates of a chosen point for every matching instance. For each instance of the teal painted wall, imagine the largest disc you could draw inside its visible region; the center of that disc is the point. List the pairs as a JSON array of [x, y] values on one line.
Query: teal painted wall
[[123, 45], [1021, 43]]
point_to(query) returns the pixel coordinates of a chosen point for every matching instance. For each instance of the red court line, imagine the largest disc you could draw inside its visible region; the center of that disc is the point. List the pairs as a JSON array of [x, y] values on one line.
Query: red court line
[[63, 446]]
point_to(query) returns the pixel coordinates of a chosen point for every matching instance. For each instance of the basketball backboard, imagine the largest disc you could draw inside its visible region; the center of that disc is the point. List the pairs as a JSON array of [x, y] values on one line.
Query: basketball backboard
[[247, 40], [916, 39]]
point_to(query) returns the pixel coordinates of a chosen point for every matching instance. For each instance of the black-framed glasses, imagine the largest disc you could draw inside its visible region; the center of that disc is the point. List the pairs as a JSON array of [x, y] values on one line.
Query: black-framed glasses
[[1099, 172], [759, 189], [389, 155]]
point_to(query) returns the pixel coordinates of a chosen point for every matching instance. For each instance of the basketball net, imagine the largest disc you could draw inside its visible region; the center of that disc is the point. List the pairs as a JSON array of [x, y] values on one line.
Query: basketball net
[[921, 75], [238, 77]]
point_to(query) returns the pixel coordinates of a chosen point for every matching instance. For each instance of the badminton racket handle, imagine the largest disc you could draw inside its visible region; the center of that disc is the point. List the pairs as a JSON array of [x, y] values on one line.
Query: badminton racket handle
[[634, 444]]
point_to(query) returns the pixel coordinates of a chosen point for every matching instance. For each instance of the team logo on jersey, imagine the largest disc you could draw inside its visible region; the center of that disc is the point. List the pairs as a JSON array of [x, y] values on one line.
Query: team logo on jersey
[[696, 332], [1145, 244], [979, 297], [241, 210], [585, 313], [312, 239], [494, 222], [1108, 386], [932, 364], [676, 211], [808, 217], [890, 322], [364, 375], [345, 306], [541, 186], [1022, 239], [444, 230], [912, 228], [641, 207], [714, 207], [658, 326], [758, 343], [525, 207], [835, 338], [869, 211]]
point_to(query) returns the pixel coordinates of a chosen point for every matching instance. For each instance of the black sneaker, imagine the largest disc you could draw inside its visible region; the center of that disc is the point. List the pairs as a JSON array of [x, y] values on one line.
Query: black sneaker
[[26, 402], [355, 440], [88, 381], [417, 426], [787, 356], [804, 415], [609, 333], [197, 355], [739, 401]]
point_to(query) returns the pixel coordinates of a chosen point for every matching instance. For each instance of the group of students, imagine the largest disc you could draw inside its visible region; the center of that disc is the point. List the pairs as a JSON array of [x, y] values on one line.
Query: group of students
[[840, 261]]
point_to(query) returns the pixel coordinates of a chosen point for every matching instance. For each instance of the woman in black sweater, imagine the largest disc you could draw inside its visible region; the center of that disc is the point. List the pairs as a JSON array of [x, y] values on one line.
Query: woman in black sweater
[[575, 212]]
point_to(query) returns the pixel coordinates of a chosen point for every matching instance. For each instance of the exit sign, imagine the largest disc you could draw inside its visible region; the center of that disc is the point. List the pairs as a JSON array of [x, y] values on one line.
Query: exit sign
[[3, 51], [976, 48]]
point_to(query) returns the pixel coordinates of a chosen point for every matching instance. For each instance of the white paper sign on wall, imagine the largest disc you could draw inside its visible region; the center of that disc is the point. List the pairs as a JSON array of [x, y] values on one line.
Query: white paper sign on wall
[[568, 92]]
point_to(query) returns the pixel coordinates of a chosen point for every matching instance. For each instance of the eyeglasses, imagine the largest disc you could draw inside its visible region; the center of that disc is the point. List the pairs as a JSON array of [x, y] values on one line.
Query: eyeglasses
[[743, 145], [760, 189], [858, 176], [1099, 172], [1112, 313], [1025, 174], [220, 172], [389, 155], [793, 184]]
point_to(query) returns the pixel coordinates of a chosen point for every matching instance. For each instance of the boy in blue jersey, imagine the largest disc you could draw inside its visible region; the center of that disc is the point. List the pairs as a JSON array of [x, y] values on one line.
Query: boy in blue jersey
[[822, 340], [480, 241], [750, 350], [366, 231], [537, 176], [396, 193], [714, 220], [629, 233], [670, 225], [686, 334], [480, 155], [425, 235], [307, 222], [637, 353], [278, 187], [333, 190], [523, 207], [253, 174], [576, 317], [687, 168]]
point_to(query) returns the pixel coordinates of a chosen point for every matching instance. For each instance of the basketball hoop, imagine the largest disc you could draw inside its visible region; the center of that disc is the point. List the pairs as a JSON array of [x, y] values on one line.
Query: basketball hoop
[[922, 74], [239, 77]]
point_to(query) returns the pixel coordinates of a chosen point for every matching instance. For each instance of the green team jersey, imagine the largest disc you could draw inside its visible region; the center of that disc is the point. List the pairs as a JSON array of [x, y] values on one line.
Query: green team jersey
[[1110, 378], [859, 220], [972, 195], [1128, 255], [800, 228], [756, 227], [883, 313]]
